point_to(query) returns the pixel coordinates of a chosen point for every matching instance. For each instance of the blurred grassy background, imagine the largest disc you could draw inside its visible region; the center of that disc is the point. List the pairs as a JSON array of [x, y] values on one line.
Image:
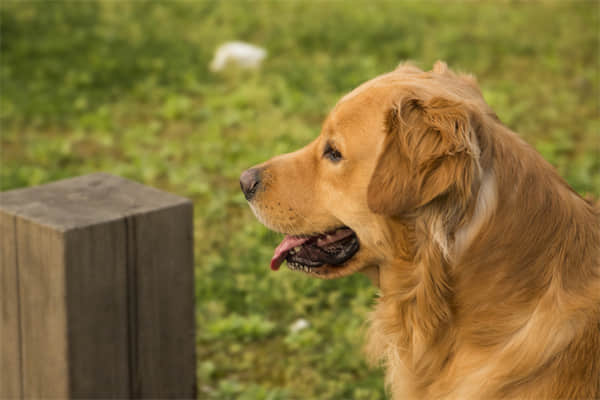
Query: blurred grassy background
[[124, 87]]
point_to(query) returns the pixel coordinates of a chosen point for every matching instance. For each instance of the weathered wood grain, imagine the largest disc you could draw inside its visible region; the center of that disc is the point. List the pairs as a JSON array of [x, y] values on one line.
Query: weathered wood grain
[[97, 291], [96, 280], [41, 255], [10, 344], [164, 284]]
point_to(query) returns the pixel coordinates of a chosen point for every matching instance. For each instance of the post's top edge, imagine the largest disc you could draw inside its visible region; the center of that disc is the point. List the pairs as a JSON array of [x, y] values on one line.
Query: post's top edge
[[86, 200]]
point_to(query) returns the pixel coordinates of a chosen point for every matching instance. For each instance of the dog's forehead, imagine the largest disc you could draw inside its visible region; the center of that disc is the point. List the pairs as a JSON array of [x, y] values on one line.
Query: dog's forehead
[[362, 109], [384, 80]]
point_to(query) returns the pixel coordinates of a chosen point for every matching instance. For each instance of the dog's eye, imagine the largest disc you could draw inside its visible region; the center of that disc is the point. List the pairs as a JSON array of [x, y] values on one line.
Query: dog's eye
[[332, 154]]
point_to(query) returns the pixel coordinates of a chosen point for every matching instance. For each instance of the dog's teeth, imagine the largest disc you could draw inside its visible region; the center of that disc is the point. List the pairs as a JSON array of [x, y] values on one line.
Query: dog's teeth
[[299, 267], [297, 249]]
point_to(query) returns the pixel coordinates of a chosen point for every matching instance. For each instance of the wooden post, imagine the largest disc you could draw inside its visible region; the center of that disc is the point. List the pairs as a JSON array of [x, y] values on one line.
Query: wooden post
[[96, 291]]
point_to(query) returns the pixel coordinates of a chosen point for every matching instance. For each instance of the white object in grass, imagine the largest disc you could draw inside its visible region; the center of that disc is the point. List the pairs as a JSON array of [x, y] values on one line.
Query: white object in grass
[[242, 54], [299, 325]]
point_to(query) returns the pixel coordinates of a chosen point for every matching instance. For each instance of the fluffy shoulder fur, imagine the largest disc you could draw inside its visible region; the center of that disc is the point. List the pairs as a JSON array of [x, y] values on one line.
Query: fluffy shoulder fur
[[497, 294]]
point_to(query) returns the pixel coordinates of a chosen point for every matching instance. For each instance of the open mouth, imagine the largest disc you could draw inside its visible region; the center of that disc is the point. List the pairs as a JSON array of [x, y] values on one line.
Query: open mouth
[[308, 253]]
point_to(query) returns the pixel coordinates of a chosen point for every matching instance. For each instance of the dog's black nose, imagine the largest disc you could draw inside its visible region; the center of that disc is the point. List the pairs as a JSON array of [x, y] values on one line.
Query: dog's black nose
[[249, 181]]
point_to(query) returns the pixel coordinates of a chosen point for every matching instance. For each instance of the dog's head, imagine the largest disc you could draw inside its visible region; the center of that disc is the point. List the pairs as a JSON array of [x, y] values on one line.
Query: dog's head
[[392, 149]]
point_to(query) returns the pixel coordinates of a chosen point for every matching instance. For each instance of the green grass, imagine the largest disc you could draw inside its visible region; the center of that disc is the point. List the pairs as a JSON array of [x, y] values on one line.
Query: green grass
[[125, 88]]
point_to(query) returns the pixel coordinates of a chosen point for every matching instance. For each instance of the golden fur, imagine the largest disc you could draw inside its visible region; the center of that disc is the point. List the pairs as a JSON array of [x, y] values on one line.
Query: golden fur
[[487, 261]]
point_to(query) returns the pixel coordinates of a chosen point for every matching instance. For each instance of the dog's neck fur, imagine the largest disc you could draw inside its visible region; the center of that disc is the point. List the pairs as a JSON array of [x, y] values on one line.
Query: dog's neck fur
[[418, 327]]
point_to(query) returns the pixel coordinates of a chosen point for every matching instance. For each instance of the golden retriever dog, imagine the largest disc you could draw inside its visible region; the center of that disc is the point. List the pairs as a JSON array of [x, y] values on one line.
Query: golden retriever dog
[[488, 263]]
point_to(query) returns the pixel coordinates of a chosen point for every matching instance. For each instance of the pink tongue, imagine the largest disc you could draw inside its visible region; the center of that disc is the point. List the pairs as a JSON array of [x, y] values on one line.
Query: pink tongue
[[288, 243]]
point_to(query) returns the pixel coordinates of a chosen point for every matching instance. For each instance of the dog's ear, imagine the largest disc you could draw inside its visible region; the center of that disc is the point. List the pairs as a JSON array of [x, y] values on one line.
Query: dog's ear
[[430, 151]]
